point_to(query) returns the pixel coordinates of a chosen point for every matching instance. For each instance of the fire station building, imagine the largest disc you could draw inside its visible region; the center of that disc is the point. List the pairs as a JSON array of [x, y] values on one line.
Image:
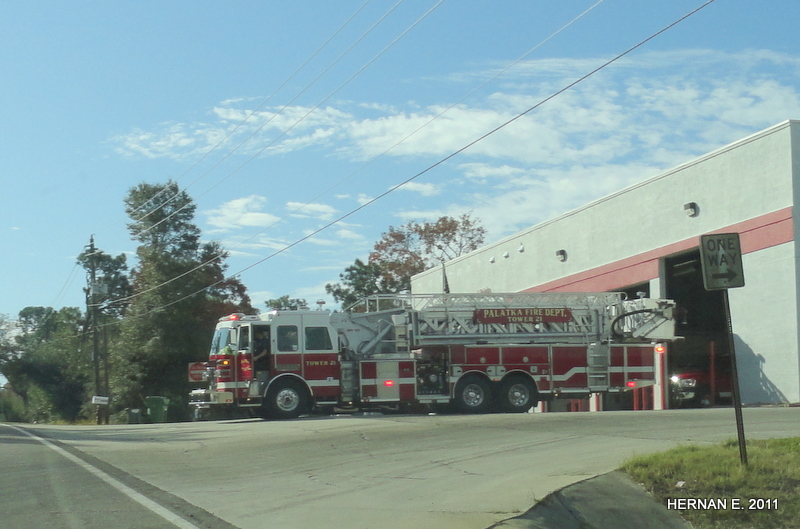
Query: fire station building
[[644, 240]]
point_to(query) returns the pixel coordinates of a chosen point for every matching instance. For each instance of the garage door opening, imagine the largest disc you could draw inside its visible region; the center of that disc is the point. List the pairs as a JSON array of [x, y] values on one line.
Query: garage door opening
[[698, 364]]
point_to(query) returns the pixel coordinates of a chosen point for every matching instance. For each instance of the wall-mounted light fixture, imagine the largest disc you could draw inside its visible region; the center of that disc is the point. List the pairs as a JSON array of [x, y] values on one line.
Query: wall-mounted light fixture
[[691, 209], [505, 255], [491, 259], [521, 248], [561, 255]]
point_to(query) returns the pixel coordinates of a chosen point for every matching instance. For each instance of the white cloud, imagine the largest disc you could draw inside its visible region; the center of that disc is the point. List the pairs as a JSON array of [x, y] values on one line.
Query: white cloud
[[322, 242], [349, 235], [241, 212], [276, 130], [259, 242], [528, 198], [640, 100], [483, 172], [171, 141], [424, 189], [643, 114], [314, 210]]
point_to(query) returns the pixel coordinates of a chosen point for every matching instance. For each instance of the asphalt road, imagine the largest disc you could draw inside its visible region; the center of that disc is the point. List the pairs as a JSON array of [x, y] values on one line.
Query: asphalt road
[[43, 487], [356, 472]]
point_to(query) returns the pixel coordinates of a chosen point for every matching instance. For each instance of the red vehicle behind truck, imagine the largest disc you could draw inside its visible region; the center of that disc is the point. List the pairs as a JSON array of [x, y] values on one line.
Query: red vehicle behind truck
[[478, 352]]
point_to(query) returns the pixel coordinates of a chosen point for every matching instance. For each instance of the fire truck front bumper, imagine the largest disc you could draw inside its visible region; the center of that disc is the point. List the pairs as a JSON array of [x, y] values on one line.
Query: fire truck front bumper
[[205, 399]]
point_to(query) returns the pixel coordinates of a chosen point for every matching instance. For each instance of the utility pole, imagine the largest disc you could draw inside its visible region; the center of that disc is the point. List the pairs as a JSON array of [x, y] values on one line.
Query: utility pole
[[100, 395]]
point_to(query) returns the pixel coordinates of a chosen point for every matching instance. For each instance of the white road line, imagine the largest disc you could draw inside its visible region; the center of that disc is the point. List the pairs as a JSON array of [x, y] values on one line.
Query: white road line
[[129, 492]]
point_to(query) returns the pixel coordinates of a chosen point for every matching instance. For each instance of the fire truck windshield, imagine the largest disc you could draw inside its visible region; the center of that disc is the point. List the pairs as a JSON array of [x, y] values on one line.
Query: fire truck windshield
[[222, 337]]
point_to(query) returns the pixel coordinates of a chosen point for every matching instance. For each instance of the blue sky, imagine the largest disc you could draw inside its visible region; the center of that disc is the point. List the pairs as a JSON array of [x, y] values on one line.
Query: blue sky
[[280, 117]]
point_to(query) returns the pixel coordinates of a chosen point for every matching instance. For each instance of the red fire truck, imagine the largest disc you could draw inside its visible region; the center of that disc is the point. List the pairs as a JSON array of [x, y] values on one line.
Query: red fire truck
[[479, 352]]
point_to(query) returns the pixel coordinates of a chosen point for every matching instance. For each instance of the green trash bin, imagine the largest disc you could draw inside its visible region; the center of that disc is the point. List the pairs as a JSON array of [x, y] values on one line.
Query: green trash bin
[[157, 408], [134, 415]]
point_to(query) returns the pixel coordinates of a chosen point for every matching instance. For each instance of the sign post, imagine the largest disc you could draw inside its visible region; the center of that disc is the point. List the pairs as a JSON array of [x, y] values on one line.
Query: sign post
[[721, 262]]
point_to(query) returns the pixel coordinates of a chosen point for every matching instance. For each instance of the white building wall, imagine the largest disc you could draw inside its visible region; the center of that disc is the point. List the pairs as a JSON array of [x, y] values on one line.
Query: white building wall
[[796, 179], [764, 319], [621, 240], [739, 182]]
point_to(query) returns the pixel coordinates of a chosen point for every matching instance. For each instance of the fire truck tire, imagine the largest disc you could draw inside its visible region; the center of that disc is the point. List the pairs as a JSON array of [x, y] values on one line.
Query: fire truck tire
[[287, 399], [473, 395], [517, 395]]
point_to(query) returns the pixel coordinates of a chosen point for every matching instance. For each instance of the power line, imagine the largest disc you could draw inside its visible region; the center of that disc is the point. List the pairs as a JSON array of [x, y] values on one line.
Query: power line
[[151, 200], [441, 161], [252, 113], [437, 116], [276, 114], [314, 109], [353, 76], [66, 285]]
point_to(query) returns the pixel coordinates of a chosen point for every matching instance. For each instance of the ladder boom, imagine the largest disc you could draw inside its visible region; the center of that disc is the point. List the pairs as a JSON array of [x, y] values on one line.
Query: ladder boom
[[526, 317]]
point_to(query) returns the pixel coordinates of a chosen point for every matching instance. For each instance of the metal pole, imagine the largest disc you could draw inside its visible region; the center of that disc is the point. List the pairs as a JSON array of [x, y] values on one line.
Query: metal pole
[[737, 400]]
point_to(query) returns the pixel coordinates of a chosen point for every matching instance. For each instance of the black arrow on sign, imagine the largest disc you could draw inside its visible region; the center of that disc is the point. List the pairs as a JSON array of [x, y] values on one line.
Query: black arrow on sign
[[728, 276]]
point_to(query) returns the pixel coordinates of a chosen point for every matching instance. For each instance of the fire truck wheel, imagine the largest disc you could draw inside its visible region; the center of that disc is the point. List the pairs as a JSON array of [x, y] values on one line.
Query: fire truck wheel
[[517, 394], [286, 400], [473, 395]]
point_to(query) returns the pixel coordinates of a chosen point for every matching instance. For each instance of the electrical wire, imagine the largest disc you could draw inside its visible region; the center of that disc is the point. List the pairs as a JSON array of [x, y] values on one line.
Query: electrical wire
[[438, 163], [66, 285], [437, 116], [256, 109], [434, 118], [151, 200], [353, 76], [275, 115], [314, 109]]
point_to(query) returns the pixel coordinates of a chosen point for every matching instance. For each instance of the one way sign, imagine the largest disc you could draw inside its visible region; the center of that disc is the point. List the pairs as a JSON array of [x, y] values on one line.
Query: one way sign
[[721, 260]]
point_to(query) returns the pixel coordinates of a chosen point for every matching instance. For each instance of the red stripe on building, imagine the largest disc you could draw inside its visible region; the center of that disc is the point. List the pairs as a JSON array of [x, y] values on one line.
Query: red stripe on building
[[755, 234]]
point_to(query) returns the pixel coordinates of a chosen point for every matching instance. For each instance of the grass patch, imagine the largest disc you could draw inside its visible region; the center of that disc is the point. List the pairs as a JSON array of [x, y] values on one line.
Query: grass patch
[[714, 472]]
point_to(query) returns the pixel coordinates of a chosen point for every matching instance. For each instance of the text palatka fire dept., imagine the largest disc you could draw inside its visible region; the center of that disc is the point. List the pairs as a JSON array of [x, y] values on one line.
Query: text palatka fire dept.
[[476, 351]]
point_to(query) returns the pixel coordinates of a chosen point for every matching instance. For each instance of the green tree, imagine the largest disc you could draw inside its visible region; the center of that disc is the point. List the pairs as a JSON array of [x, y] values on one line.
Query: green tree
[[179, 291], [413, 248], [358, 281], [402, 252], [47, 365], [8, 351], [286, 303]]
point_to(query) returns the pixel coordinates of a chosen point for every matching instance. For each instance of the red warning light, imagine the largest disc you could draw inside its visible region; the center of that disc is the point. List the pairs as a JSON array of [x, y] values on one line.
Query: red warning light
[[631, 384], [388, 383], [661, 348]]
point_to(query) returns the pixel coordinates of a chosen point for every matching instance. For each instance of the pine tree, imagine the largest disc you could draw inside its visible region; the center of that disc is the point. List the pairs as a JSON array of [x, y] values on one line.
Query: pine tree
[[179, 292]]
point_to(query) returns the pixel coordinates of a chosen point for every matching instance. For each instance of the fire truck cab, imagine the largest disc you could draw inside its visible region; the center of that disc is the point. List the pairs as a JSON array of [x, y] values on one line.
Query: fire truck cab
[[278, 359]]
